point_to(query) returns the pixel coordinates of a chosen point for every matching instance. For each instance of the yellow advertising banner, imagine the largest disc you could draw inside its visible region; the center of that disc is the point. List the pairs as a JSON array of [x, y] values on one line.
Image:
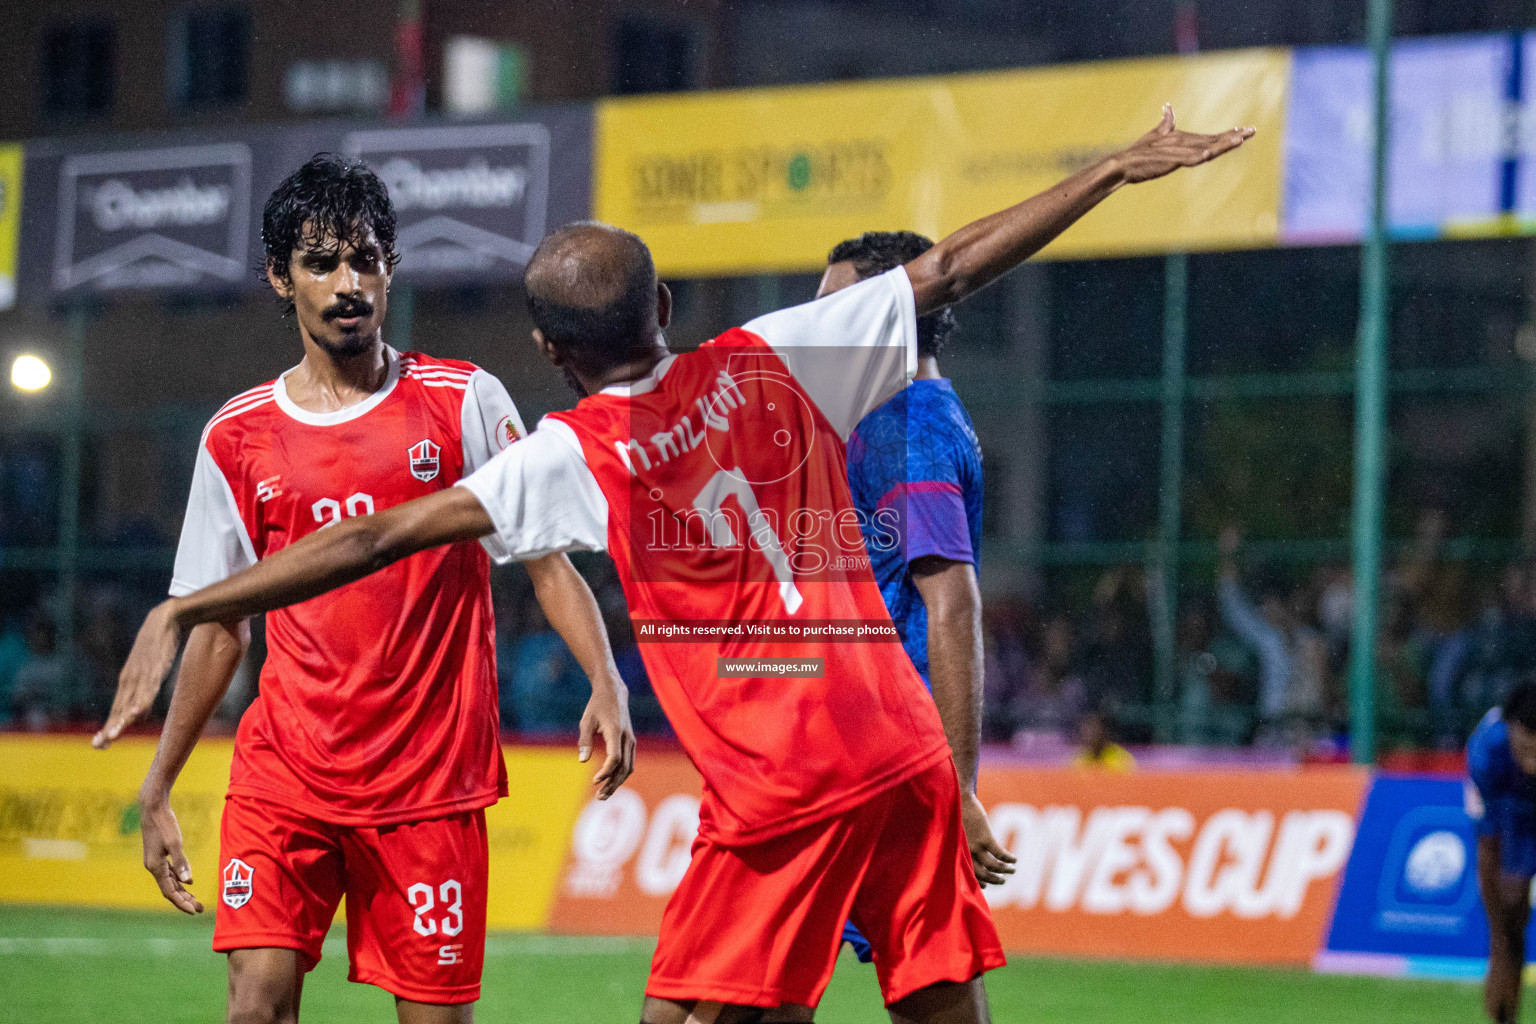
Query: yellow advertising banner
[[69, 824], [769, 180], [1023, 131], [529, 832], [10, 221], [765, 179], [69, 820]]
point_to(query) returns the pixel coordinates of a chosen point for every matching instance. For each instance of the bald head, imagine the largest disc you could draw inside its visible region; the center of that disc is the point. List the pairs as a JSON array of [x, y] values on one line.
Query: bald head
[[592, 294], [588, 265]]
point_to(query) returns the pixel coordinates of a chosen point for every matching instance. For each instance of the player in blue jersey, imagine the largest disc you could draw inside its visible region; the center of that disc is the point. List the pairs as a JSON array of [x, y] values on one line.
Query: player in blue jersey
[[1501, 799], [914, 469]]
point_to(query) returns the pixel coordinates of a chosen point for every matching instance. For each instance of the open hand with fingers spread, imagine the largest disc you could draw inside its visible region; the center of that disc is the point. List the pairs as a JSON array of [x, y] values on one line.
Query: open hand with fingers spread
[[1165, 149], [154, 652]]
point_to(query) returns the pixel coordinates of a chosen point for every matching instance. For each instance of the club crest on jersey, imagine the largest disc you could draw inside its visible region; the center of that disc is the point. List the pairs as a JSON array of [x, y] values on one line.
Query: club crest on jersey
[[424, 460], [506, 432], [237, 883]]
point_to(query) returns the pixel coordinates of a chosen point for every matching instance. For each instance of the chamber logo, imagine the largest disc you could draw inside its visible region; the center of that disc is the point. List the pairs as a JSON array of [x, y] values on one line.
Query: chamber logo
[[475, 184], [424, 460], [1435, 864], [116, 205], [237, 883], [153, 218], [469, 199]]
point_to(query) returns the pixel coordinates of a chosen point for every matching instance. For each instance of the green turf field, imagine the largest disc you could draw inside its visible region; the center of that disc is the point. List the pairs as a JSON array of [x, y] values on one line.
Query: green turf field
[[87, 966]]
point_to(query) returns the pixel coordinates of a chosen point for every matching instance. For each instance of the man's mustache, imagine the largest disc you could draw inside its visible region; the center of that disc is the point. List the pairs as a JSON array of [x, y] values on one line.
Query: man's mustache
[[355, 307]]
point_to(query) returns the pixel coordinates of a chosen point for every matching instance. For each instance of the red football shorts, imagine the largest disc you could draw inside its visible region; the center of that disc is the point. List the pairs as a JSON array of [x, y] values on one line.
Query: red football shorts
[[760, 925], [415, 895]]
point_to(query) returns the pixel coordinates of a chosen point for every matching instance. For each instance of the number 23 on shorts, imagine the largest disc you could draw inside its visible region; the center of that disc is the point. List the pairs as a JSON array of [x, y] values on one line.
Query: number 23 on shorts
[[450, 900]]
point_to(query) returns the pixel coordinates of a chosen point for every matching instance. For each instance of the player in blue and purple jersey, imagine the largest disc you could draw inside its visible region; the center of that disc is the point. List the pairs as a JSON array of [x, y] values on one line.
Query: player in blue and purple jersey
[[914, 470], [1501, 800]]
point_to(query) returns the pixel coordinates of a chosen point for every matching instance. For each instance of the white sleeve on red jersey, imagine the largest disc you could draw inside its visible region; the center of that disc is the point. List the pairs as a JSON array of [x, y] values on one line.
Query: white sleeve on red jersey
[[214, 541], [541, 496], [851, 350], [489, 420], [489, 423]]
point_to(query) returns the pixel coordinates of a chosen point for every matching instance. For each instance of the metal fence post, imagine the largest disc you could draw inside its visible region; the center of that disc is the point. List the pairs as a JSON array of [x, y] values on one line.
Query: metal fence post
[[1171, 488], [1371, 408]]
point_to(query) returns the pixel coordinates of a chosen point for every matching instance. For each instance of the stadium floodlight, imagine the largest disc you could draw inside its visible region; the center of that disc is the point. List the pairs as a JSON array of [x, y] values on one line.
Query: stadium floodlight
[[29, 373]]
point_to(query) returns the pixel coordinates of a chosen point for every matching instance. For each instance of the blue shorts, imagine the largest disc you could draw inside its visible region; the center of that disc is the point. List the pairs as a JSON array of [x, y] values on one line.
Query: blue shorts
[[860, 944], [1513, 821], [855, 938]]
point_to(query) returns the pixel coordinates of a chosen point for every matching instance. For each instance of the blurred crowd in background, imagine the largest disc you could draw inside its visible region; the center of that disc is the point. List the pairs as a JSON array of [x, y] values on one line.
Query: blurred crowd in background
[[1261, 655]]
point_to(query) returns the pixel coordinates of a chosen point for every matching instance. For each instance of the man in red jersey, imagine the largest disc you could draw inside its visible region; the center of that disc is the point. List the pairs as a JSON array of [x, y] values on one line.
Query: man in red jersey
[[365, 764], [717, 480]]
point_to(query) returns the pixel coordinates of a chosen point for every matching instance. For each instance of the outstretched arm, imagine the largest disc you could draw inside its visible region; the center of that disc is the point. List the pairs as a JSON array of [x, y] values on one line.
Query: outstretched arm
[[984, 250], [570, 607], [324, 560]]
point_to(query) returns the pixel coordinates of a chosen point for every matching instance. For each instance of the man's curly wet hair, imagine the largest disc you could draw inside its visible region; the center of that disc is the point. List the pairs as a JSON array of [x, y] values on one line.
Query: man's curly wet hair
[[329, 201], [875, 252]]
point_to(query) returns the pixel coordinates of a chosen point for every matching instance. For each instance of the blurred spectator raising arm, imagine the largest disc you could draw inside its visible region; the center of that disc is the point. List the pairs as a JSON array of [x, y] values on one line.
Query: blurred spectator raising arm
[[1293, 658], [1240, 616]]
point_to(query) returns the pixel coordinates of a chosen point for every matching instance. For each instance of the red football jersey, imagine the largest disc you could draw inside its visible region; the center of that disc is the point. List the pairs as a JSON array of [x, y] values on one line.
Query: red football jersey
[[377, 701], [719, 485]]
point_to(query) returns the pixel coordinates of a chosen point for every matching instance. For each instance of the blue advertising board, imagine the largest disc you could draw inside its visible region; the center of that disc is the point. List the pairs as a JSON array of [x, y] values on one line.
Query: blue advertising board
[[1460, 140], [1409, 902]]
